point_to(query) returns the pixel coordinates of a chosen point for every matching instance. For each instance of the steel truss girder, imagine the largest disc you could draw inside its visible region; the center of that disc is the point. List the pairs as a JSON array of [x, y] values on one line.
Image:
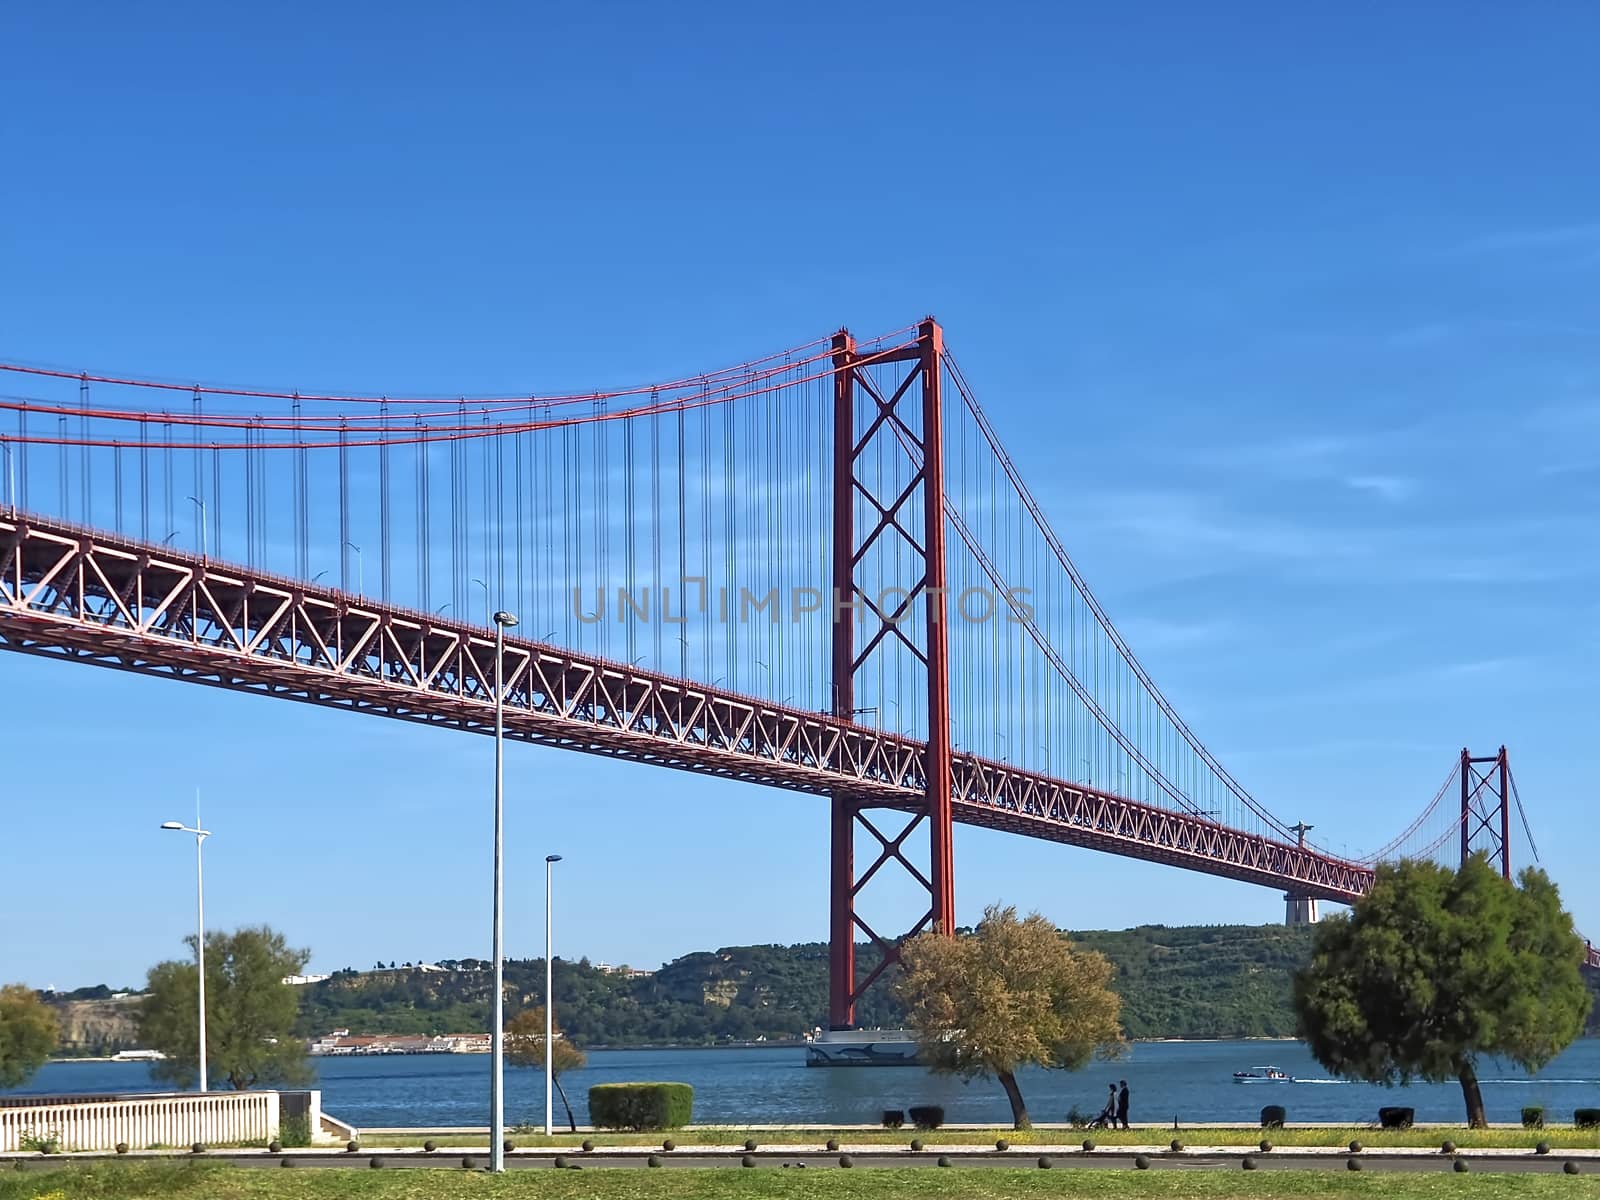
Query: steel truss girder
[[94, 597]]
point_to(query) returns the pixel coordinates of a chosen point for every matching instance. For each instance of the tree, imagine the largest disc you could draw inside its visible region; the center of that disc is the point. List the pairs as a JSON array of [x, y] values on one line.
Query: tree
[[1014, 992], [525, 1048], [250, 1012], [28, 1033], [1435, 967]]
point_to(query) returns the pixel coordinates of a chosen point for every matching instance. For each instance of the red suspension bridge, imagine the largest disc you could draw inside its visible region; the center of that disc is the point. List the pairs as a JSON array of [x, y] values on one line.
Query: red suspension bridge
[[818, 570]]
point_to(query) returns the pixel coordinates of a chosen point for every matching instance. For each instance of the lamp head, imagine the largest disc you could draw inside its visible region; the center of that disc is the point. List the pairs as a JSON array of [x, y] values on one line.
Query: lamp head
[[172, 824], [505, 618], [552, 858]]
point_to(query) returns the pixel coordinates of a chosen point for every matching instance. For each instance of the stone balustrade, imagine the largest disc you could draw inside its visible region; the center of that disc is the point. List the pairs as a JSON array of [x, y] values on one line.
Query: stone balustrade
[[145, 1120]]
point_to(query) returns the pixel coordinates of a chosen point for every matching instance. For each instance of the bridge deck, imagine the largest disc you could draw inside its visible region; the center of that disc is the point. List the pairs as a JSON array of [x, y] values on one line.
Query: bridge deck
[[102, 598]]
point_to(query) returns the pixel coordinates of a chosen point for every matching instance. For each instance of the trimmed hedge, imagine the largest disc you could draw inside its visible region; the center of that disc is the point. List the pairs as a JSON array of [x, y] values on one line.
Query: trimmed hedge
[[1273, 1116], [641, 1106], [1396, 1118], [1586, 1118], [926, 1116], [1533, 1117]]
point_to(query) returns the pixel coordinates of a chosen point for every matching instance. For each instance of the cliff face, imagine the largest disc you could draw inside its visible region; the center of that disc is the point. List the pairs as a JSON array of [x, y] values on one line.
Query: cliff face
[[97, 1026]]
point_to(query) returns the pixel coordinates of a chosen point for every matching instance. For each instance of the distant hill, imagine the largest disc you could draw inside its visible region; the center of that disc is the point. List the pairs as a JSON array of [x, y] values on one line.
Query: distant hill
[[97, 1026], [1192, 982], [1204, 981], [1196, 981]]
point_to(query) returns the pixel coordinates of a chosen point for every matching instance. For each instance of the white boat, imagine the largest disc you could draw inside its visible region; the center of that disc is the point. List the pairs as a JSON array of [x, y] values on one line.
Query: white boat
[[138, 1056], [863, 1048], [1263, 1075]]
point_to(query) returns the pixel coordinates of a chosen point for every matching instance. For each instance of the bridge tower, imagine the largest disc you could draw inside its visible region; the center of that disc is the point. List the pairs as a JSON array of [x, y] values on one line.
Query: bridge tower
[[1300, 909], [904, 418], [1485, 805]]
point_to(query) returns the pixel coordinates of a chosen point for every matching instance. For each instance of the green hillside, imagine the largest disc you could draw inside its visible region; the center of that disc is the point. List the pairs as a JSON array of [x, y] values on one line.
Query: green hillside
[[1195, 981], [1198, 981], [1203, 981]]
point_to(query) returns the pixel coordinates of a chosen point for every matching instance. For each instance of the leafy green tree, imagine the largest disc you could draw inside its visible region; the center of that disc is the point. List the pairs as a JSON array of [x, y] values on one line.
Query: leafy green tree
[[525, 1048], [250, 1012], [1433, 968], [28, 1033], [1012, 993]]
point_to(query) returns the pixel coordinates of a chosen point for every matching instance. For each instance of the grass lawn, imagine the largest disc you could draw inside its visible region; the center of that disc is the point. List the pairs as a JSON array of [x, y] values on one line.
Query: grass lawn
[[217, 1182], [1525, 1139]]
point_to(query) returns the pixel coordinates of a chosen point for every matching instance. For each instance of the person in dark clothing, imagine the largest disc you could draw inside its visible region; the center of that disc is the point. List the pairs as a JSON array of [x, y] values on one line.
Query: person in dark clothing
[[1108, 1114], [1122, 1105]]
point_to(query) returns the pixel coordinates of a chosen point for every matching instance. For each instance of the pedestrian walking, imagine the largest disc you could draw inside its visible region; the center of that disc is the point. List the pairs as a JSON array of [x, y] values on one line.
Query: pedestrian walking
[[1122, 1105]]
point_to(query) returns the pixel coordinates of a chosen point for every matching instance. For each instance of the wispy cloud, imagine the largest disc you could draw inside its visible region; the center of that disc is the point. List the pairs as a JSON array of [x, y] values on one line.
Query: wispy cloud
[[1393, 488]]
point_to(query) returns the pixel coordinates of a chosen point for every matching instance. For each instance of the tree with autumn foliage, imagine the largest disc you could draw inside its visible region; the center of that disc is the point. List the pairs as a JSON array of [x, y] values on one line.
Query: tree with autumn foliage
[[525, 1048], [1011, 993]]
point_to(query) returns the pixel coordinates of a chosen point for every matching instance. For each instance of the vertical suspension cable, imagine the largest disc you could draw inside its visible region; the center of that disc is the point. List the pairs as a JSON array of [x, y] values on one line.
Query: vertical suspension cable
[[83, 450], [144, 481], [385, 527], [216, 502], [682, 584], [302, 499], [344, 510]]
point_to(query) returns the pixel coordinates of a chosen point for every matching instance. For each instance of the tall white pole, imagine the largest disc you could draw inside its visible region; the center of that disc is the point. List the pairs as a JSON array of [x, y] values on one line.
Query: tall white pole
[[549, 1003], [200, 943], [200, 836], [497, 1114]]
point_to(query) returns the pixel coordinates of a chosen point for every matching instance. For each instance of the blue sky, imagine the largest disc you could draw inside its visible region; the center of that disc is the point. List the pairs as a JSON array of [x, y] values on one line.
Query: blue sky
[[1290, 318]]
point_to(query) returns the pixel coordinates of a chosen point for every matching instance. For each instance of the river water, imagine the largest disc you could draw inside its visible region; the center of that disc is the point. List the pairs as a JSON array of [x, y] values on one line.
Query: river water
[[1186, 1081]]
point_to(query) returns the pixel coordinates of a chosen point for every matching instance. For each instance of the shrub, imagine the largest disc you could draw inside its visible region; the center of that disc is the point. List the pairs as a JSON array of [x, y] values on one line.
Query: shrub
[[1396, 1118], [1273, 1116], [1533, 1117], [893, 1118], [641, 1106], [927, 1116], [1587, 1118], [295, 1130], [1075, 1117], [48, 1142]]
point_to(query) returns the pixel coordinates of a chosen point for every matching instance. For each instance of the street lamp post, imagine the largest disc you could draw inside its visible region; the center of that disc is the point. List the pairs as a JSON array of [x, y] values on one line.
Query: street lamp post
[[549, 999], [11, 476], [200, 835], [201, 504], [497, 1036], [361, 577]]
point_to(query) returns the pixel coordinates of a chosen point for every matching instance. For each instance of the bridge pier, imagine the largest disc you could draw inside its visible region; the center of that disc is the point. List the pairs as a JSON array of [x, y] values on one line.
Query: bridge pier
[[1300, 910]]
